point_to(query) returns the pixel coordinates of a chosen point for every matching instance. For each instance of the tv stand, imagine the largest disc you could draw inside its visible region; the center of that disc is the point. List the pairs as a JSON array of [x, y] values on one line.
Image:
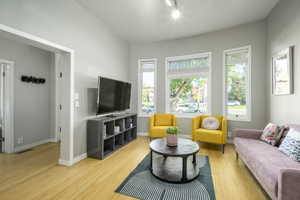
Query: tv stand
[[102, 140]]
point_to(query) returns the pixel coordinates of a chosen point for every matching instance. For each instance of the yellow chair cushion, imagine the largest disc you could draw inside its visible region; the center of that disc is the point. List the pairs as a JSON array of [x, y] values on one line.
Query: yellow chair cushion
[[211, 136], [163, 120]]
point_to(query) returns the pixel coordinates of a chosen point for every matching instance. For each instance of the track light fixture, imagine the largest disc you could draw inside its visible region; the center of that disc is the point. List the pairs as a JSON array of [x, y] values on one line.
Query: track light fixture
[[175, 14]]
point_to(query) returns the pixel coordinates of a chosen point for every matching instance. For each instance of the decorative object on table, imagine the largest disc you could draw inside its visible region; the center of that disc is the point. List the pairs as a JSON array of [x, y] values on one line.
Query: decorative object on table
[[210, 123], [291, 145], [172, 134], [142, 185], [159, 123], [282, 72], [117, 129], [201, 134], [271, 134]]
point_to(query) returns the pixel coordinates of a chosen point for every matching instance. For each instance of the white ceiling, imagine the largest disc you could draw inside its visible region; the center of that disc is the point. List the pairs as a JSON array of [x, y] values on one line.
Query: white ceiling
[[150, 20]]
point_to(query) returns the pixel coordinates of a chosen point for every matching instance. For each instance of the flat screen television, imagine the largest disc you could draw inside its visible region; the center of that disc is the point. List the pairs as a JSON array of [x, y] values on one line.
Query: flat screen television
[[113, 95]]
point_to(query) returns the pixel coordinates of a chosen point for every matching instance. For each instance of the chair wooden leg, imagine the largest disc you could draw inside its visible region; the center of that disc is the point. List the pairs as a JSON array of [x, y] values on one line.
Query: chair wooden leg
[[236, 155], [223, 148]]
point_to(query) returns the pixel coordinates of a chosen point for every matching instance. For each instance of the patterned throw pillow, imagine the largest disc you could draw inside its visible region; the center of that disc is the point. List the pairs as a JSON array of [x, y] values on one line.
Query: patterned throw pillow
[[291, 145], [271, 134]]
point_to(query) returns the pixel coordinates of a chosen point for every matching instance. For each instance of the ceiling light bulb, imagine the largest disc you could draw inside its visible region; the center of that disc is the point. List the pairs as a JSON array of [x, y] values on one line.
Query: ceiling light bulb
[[176, 14], [169, 3]]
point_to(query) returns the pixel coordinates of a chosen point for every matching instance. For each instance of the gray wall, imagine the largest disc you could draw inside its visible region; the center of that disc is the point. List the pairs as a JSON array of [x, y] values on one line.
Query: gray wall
[[284, 31], [97, 50], [251, 34], [32, 116]]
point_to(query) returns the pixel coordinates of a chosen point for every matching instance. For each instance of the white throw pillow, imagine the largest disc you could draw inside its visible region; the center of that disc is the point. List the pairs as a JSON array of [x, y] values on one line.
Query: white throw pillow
[[210, 123]]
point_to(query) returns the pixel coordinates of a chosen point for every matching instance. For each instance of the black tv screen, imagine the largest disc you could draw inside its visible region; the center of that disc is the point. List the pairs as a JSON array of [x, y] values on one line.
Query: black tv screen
[[113, 95]]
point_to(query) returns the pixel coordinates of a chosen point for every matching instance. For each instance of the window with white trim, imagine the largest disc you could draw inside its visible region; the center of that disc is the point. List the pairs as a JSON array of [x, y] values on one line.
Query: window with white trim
[[187, 84], [147, 86], [237, 91]]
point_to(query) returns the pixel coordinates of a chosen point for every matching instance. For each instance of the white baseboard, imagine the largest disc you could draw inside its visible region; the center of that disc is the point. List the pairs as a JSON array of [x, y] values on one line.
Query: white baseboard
[[79, 158], [72, 162], [65, 162], [185, 136], [53, 140], [142, 134], [29, 146]]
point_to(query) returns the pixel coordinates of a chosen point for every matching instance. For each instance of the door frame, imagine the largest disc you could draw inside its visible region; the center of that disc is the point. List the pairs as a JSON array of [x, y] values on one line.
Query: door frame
[[67, 67], [8, 110]]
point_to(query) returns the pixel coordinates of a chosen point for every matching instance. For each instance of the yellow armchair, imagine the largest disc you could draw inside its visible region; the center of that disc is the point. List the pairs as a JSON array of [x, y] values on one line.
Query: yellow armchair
[[218, 136], [159, 123]]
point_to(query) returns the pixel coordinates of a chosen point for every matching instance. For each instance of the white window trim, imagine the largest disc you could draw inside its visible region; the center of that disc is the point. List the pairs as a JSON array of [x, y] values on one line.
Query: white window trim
[[140, 85], [167, 82], [248, 118]]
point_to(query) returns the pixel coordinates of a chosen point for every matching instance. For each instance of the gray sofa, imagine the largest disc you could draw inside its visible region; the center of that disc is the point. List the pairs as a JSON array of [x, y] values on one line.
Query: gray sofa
[[278, 174]]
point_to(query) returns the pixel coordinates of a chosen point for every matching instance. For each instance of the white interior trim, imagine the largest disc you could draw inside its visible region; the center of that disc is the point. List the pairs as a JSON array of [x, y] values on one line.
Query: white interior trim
[[34, 144], [67, 140], [8, 110], [72, 162], [249, 96], [143, 134]]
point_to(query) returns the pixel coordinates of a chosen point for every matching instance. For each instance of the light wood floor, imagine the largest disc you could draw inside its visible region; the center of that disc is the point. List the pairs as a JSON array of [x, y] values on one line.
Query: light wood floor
[[35, 174]]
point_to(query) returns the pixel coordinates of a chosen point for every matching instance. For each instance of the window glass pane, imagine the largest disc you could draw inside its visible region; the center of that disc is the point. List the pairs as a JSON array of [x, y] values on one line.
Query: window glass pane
[[237, 69], [188, 95], [193, 65], [148, 100]]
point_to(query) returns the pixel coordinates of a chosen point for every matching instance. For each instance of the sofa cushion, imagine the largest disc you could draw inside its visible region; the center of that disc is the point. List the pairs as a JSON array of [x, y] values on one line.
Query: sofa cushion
[[291, 145], [265, 161], [163, 120]]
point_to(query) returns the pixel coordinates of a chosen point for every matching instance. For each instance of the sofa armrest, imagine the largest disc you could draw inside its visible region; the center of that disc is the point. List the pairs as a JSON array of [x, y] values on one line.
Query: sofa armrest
[[288, 184], [247, 133]]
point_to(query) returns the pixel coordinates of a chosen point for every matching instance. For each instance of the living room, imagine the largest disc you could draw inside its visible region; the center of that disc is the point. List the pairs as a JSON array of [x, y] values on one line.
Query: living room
[[190, 100]]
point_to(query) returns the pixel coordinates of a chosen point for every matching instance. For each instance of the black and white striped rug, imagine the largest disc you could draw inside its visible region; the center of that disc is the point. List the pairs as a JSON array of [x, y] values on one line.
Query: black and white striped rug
[[141, 184]]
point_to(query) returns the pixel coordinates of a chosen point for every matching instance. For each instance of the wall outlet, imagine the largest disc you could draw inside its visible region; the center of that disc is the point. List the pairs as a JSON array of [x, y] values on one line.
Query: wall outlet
[[20, 140]]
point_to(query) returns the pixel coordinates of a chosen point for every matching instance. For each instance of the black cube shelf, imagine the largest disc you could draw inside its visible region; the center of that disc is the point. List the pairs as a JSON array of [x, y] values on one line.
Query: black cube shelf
[[102, 140]]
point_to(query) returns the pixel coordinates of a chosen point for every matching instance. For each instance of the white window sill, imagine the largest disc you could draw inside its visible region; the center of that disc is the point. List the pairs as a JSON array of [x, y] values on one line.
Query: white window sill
[[238, 120]]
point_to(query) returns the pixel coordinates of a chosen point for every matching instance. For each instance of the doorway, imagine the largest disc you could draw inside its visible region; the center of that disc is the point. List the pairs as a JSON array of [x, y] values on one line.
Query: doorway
[[64, 101]]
